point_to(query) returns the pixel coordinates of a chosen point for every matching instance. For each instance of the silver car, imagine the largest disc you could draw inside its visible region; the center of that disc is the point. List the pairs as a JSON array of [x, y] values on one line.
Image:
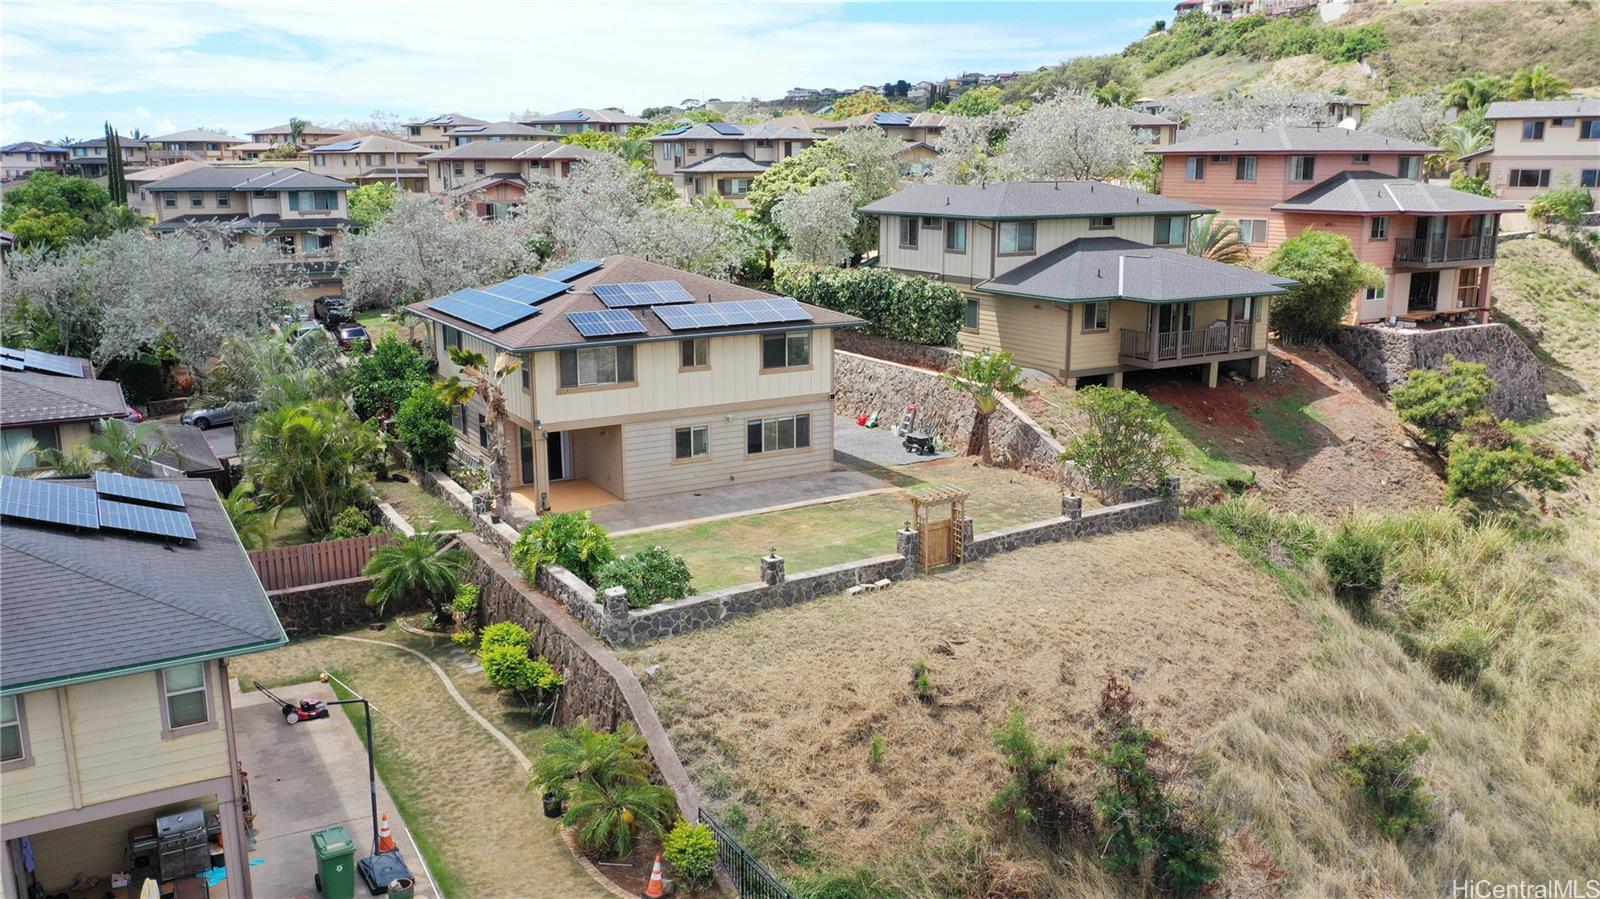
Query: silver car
[[212, 416]]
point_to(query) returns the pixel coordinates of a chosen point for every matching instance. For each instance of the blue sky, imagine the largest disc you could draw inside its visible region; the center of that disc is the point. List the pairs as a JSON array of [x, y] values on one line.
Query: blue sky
[[67, 66]]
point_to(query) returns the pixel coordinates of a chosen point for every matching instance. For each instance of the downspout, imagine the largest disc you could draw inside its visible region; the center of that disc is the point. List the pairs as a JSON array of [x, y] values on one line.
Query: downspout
[[236, 837]]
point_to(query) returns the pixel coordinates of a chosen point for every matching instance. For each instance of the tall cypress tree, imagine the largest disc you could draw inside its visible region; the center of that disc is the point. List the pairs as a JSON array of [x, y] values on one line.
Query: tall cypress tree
[[116, 178]]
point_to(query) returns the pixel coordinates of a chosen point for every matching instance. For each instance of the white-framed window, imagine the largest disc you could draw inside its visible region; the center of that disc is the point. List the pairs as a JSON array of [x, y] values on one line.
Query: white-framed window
[[1253, 231], [908, 232], [1361, 159], [197, 199], [1242, 309], [770, 435], [1411, 167], [185, 701], [955, 236], [1172, 230], [691, 442], [13, 733], [313, 200], [931, 223], [316, 243], [791, 349], [596, 366], [1196, 169], [1096, 317], [478, 167], [223, 200], [1102, 223], [1017, 237], [169, 200], [694, 353], [1302, 168], [1380, 227], [458, 168], [318, 159], [1377, 293], [969, 319], [1244, 168]]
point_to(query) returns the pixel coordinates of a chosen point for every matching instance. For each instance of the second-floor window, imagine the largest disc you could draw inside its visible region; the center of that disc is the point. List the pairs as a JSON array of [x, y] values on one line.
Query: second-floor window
[[313, 199], [1302, 168], [223, 201], [694, 353], [478, 167], [596, 366], [1411, 167], [169, 200], [1101, 223], [1244, 168], [197, 199], [1017, 237], [1380, 227], [1589, 129], [955, 237], [318, 159], [1253, 230], [13, 741], [1533, 130], [1196, 170], [183, 690], [1172, 231], [908, 232], [791, 349]]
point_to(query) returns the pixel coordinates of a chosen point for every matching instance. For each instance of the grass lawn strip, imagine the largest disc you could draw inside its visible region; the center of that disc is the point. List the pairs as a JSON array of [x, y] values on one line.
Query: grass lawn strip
[[423, 509]]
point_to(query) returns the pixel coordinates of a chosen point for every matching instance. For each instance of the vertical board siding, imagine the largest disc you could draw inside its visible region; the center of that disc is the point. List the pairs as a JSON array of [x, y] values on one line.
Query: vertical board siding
[[287, 567]]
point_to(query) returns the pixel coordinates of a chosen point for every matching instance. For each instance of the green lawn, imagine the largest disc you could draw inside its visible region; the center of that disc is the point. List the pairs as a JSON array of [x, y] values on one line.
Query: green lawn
[[423, 509], [381, 324], [291, 528], [727, 552]]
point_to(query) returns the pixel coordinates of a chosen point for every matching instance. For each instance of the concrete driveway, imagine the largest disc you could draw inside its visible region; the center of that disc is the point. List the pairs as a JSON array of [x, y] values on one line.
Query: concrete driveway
[[303, 778]]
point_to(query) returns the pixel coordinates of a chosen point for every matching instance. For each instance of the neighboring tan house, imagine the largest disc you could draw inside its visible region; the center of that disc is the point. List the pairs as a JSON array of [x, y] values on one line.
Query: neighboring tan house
[[372, 158], [494, 175], [911, 127], [88, 157], [639, 380], [19, 160], [1435, 246], [1152, 129], [1078, 278], [723, 158], [466, 134], [572, 121], [282, 134], [124, 600], [53, 401], [194, 144], [139, 199], [802, 120], [1541, 145], [302, 213], [430, 132], [255, 151]]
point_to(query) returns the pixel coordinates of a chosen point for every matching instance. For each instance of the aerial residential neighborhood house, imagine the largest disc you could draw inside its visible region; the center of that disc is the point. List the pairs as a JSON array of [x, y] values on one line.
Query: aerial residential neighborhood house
[[911, 127], [89, 160], [466, 134], [194, 144], [430, 132], [1435, 246], [283, 134], [1541, 145], [302, 213], [1152, 129], [1077, 278], [494, 175], [572, 121], [51, 402], [19, 160], [124, 600], [640, 380], [372, 158], [723, 158], [139, 199]]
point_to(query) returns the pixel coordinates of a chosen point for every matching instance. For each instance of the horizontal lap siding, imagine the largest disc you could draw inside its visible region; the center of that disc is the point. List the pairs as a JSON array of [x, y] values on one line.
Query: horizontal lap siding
[[652, 471], [1034, 332], [519, 402], [1053, 233], [597, 457], [43, 787], [1100, 350], [117, 728]]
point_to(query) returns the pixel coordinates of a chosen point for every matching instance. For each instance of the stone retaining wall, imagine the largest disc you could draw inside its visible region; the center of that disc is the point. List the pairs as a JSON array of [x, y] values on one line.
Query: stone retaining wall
[[497, 533], [1076, 525], [937, 358], [1386, 356], [331, 607]]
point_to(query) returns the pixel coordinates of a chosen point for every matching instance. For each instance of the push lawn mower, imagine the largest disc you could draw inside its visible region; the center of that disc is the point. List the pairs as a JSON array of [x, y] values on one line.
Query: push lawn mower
[[304, 710]]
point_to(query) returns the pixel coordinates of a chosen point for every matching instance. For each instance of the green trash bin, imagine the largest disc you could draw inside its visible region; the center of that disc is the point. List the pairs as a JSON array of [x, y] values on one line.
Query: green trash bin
[[336, 863]]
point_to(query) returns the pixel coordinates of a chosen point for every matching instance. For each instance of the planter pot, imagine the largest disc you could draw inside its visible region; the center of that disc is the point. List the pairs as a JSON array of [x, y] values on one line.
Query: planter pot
[[552, 805]]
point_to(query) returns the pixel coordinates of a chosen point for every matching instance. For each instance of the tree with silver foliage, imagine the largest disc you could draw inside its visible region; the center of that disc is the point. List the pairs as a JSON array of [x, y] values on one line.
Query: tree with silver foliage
[[816, 222], [1070, 137], [967, 149], [1209, 115]]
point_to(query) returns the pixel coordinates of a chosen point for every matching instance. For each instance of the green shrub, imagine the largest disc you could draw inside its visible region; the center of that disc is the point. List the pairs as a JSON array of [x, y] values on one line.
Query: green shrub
[[462, 638], [1471, 184], [510, 668], [1327, 275], [857, 884], [569, 539], [423, 426], [466, 600], [1128, 443], [1382, 771], [1564, 206], [506, 633], [351, 522], [1490, 462], [650, 575], [691, 849], [902, 307], [384, 378], [875, 750], [1439, 402], [1460, 653], [1272, 534], [1355, 562]]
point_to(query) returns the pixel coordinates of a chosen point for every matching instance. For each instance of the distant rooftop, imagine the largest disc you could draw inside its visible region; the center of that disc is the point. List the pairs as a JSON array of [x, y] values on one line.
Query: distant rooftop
[[1019, 200], [218, 177], [1534, 109], [585, 115], [196, 135], [1285, 139], [1374, 193]]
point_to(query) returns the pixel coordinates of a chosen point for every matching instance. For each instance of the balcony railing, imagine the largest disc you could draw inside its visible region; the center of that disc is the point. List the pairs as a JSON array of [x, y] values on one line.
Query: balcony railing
[[1443, 251], [1222, 339]]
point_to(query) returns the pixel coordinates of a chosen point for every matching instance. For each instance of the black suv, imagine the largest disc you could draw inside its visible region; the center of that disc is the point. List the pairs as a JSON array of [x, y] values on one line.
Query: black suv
[[332, 311]]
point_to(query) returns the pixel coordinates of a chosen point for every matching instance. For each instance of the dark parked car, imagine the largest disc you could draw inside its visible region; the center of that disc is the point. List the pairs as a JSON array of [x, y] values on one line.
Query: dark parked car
[[350, 333], [332, 311]]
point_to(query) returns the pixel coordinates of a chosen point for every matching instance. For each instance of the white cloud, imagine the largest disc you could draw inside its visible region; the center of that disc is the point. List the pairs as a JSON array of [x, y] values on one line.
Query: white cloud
[[26, 120]]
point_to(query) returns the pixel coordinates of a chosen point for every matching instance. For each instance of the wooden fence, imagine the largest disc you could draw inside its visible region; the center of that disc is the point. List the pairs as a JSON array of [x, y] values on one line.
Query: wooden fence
[[288, 567]]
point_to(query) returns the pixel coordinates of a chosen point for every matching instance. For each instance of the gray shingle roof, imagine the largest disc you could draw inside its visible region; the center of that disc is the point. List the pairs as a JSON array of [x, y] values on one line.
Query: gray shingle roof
[[30, 146], [100, 142], [1374, 193], [1145, 119], [1543, 109], [449, 119], [1020, 200], [763, 131], [1284, 139], [84, 605], [196, 135], [218, 177], [238, 221], [191, 451], [582, 115], [27, 398], [499, 129], [512, 149], [729, 163], [308, 130], [1091, 269]]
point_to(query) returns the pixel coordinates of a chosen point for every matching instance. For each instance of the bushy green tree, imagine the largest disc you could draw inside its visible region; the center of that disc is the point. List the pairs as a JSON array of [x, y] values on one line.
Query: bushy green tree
[[1564, 207], [352, 521], [1327, 275], [53, 210], [1537, 83], [651, 575], [384, 378], [414, 567], [862, 157], [1438, 402], [858, 103], [1384, 772], [1491, 462], [1472, 184], [369, 203], [691, 849], [1128, 443], [976, 102], [423, 426], [569, 539]]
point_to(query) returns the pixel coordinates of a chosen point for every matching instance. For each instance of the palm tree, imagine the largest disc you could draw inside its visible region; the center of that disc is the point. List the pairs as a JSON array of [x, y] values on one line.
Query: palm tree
[[605, 779], [1218, 239], [1538, 83], [250, 520], [297, 130], [636, 150], [485, 383], [986, 376], [1461, 139], [18, 459], [414, 567], [313, 455], [129, 449], [1113, 93], [1475, 91]]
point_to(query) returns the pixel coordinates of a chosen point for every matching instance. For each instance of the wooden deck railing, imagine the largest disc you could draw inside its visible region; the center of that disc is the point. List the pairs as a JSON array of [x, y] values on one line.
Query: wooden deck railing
[[1443, 250], [1169, 346], [287, 567]]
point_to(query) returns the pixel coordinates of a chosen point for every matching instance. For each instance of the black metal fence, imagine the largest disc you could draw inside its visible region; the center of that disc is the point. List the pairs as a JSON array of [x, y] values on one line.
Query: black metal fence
[[751, 880]]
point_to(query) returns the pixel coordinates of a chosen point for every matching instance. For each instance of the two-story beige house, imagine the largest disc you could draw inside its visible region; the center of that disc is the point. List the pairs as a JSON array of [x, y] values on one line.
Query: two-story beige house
[[1079, 279], [639, 380], [723, 158], [197, 143], [430, 132], [911, 127], [304, 214], [19, 160], [124, 598], [51, 402], [283, 134], [88, 157], [1540, 145], [372, 158], [139, 199], [574, 121], [493, 175], [466, 134]]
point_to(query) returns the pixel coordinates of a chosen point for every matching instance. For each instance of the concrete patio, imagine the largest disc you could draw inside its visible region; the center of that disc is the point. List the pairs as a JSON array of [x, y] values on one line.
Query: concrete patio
[[735, 500]]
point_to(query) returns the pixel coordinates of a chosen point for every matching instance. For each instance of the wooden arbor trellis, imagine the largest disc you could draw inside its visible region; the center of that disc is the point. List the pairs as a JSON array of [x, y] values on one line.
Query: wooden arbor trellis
[[940, 538]]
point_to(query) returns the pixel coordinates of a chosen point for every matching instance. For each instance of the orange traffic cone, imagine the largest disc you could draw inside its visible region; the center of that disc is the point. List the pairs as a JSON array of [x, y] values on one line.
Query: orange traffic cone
[[385, 838], [656, 889]]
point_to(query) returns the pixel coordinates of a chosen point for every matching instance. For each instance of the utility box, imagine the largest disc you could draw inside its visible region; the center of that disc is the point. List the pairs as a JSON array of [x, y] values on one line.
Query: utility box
[[336, 863]]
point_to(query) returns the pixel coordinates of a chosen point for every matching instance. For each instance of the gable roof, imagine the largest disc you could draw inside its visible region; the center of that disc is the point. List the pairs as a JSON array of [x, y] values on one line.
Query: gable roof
[[93, 604], [584, 114], [550, 329], [197, 135], [1543, 109], [735, 131], [726, 163], [512, 149], [892, 120], [798, 120], [30, 398], [131, 143], [1094, 269], [1020, 200], [32, 146], [1285, 139], [1145, 120], [1374, 193], [307, 131], [503, 129], [370, 143], [447, 120], [144, 176], [220, 177]]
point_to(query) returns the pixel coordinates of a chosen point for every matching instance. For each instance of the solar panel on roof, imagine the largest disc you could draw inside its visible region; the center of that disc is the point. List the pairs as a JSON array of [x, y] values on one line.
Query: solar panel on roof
[[470, 129], [530, 289], [49, 503], [145, 520], [10, 364], [732, 314], [50, 362], [108, 483], [338, 147], [572, 270], [678, 130], [642, 293], [7, 352], [727, 128], [482, 309], [605, 322], [892, 118]]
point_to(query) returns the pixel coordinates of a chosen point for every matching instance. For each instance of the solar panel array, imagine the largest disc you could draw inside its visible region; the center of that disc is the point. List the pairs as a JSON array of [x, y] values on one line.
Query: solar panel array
[[572, 270], [34, 360], [605, 322], [726, 128], [674, 131], [892, 118], [531, 289], [500, 305], [732, 314], [642, 293], [340, 147], [80, 507]]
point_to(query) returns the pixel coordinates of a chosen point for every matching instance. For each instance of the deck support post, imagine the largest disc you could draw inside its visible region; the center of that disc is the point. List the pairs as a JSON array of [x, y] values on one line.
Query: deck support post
[[1116, 378], [1258, 367], [1211, 373]]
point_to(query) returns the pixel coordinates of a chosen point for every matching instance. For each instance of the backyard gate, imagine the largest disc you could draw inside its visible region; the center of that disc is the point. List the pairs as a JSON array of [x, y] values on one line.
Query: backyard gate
[[751, 879], [941, 538]]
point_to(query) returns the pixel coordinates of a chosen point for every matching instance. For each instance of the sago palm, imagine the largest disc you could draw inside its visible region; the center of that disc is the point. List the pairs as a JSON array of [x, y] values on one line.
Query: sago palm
[[986, 376], [603, 817], [414, 567], [580, 752], [1475, 91], [1218, 239]]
